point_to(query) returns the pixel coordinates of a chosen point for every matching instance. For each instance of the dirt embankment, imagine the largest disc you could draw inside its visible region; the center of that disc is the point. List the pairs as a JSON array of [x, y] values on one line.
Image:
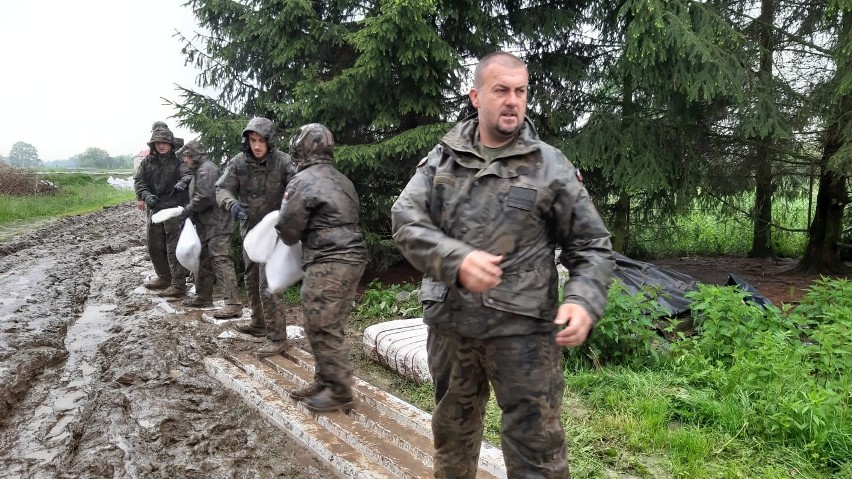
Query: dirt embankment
[[101, 378]]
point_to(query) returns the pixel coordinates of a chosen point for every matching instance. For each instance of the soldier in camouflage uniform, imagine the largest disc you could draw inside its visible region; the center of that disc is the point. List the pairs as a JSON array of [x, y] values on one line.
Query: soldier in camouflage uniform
[[215, 228], [481, 218], [252, 186], [161, 182], [320, 209]]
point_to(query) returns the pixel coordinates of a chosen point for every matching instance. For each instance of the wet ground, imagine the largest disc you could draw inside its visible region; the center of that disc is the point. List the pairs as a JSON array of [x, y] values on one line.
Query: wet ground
[[101, 378]]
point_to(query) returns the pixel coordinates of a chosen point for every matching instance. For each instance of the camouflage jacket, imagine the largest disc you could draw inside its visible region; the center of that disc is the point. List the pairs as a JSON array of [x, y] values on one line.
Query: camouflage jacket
[[158, 175], [206, 213], [259, 184], [320, 208], [523, 205]]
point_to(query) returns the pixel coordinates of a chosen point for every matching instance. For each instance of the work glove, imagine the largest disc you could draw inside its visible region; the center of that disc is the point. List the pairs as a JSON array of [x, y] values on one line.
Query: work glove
[[239, 211], [184, 215], [152, 201], [180, 186]]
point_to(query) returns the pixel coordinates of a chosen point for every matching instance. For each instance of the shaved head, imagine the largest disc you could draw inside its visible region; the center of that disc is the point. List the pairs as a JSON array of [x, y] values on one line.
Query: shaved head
[[502, 58]]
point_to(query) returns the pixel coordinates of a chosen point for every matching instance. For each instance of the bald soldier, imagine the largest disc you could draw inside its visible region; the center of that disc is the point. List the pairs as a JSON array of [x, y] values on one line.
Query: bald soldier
[[481, 218]]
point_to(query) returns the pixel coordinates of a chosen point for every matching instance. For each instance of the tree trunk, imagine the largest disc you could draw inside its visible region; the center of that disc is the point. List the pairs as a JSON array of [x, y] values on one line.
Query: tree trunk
[[622, 222], [761, 244], [822, 255]]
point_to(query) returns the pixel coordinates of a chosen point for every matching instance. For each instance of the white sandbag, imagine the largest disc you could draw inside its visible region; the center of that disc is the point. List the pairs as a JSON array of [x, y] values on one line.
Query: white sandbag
[[401, 346], [260, 240], [189, 247], [166, 214], [284, 267]]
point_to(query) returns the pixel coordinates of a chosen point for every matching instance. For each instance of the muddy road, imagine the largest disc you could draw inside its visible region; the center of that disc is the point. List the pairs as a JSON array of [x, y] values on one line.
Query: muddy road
[[100, 377]]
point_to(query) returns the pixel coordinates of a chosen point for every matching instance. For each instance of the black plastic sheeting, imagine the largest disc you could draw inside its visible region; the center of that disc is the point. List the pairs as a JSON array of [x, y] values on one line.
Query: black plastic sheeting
[[673, 285]]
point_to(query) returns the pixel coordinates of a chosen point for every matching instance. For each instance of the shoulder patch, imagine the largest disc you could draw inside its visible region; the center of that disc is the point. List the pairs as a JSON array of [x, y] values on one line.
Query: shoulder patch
[[202, 173], [579, 175]]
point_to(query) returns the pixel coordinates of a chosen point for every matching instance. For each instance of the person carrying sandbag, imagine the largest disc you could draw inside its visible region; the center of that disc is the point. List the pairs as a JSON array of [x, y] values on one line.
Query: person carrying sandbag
[[320, 209], [215, 228]]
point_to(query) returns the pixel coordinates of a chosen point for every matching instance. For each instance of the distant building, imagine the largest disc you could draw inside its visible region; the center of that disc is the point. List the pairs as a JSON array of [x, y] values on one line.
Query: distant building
[[137, 160]]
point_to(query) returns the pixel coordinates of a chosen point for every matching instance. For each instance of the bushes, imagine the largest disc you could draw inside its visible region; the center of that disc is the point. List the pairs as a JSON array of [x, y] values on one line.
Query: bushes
[[21, 182]]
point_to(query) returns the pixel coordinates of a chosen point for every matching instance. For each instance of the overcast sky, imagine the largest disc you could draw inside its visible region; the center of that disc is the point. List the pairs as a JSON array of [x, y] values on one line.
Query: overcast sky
[[89, 73]]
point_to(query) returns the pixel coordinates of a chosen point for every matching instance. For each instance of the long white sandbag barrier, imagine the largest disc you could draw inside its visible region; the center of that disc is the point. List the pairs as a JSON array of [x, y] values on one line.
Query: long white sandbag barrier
[[401, 346]]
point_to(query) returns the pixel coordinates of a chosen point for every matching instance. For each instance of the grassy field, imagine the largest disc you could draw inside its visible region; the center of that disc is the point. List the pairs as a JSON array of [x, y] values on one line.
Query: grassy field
[[79, 193], [754, 393]]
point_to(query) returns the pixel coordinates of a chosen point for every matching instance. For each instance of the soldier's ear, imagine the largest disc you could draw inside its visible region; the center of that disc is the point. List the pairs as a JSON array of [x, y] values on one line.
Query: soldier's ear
[[474, 98]]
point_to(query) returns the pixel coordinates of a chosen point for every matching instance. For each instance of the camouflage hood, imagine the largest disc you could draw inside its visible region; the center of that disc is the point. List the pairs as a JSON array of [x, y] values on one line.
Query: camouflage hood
[[262, 126], [195, 149], [463, 137], [312, 145], [162, 133]]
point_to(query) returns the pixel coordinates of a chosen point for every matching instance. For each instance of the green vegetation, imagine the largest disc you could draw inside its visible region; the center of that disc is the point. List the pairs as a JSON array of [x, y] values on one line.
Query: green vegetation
[[737, 392], [78, 193]]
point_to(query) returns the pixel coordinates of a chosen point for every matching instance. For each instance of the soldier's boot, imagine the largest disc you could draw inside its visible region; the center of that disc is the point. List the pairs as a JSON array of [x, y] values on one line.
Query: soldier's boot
[[311, 389], [330, 399], [197, 302], [158, 283], [230, 311], [172, 292], [272, 347], [251, 330]]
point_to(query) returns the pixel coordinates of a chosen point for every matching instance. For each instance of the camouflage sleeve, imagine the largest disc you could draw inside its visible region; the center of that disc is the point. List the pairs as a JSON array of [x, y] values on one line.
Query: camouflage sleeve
[[585, 243], [419, 238], [185, 173], [294, 213], [139, 183], [289, 170], [227, 186], [204, 196]]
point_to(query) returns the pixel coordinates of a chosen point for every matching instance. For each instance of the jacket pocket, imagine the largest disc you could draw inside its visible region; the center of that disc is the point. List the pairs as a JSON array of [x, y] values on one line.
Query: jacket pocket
[[433, 297], [527, 293]]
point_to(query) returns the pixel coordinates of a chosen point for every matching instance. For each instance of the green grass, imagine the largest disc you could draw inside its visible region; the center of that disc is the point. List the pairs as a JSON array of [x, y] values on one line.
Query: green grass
[[716, 230], [79, 193]]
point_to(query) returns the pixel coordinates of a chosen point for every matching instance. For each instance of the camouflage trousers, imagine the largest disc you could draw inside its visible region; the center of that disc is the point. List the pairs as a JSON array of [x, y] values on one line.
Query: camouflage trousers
[[215, 262], [328, 291], [162, 246], [526, 374], [267, 309]]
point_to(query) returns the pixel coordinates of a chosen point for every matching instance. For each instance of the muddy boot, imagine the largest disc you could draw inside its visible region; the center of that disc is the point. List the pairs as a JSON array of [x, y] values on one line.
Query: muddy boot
[[326, 401], [311, 389], [256, 331], [272, 348], [158, 283], [230, 311], [172, 292], [197, 302]]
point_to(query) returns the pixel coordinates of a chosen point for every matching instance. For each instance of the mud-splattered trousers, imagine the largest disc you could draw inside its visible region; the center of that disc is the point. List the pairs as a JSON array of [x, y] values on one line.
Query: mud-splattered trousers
[[320, 209], [521, 206], [259, 184], [328, 293], [157, 175]]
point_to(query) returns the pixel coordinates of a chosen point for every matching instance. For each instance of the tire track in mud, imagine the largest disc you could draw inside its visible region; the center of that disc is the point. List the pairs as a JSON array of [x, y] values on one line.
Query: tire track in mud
[[101, 378]]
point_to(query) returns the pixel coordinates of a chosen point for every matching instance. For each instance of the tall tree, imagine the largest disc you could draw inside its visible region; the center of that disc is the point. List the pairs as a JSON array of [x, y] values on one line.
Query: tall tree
[[822, 253], [94, 158], [24, 155]]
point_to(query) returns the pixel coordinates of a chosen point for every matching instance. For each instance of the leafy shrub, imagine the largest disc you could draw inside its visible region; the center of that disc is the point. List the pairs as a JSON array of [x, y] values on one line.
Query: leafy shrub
[[382, 253], [626, 334], [383, 303]]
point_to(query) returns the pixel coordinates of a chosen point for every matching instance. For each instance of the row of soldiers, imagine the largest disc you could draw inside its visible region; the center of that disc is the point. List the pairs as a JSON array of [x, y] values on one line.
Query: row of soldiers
[[317, 205], [482, 218]]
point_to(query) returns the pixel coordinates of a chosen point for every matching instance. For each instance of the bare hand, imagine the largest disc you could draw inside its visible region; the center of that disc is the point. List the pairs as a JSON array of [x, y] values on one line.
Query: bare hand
[[579, 324], [140, 204], [480, 271]]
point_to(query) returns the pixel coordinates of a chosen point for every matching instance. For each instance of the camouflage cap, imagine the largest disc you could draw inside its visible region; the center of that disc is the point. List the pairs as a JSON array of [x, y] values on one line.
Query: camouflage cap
[[313, 141], [159, 124]]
